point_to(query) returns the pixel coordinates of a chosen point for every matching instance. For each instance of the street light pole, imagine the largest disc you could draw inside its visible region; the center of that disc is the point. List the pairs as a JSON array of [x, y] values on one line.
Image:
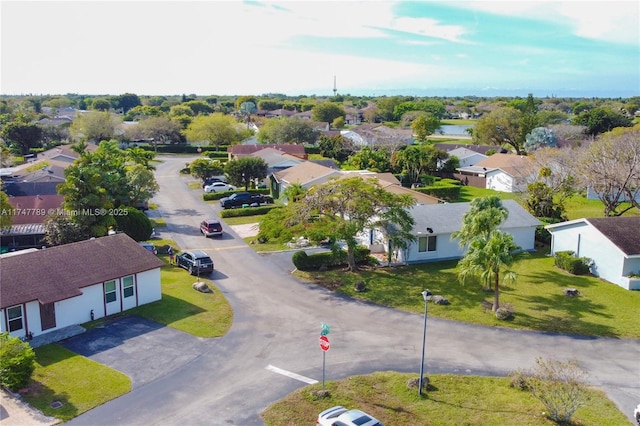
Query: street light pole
[[425, 296]]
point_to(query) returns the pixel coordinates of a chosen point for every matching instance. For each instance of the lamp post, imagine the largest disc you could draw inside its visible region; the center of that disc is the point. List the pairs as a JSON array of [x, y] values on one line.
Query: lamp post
[[425, 296]]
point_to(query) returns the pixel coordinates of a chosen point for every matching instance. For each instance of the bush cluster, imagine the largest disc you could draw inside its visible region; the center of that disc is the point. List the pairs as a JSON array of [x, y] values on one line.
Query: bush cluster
[[569, 262], [17, 362], [314, 262]]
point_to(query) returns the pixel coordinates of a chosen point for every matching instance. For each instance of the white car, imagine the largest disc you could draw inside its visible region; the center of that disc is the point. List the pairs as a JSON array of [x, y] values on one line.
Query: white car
[[340, 416], [219, 187]]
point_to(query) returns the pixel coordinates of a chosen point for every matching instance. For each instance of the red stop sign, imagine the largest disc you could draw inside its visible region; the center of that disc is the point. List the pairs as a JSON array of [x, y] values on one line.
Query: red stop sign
[[324, 343]]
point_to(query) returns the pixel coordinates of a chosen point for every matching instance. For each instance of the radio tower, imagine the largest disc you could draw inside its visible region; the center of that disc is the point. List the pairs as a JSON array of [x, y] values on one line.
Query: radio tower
[[335, 90]]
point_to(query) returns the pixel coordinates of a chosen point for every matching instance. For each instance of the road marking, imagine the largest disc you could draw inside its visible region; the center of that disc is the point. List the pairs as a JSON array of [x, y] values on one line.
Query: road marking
[[290, 374]]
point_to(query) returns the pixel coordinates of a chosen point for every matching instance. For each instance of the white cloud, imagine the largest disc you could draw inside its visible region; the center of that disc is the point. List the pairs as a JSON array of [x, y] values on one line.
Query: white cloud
[[615, 21]]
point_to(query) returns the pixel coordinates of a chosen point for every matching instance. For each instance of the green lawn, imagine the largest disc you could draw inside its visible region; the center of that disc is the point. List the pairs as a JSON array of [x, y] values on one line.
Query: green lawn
[[602, 309], [450, 400], [79, 383]]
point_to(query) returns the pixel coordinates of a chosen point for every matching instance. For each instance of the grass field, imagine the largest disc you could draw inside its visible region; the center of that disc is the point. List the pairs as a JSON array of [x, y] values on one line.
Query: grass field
[[537, 297], [79, 383], [450, 400]]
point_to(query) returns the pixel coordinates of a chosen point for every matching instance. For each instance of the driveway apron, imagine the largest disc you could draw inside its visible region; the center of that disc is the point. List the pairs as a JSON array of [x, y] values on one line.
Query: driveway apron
[[142, 349]]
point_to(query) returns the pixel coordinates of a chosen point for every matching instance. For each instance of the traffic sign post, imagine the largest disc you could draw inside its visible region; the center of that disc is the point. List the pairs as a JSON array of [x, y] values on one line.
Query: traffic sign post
[[324, 345]]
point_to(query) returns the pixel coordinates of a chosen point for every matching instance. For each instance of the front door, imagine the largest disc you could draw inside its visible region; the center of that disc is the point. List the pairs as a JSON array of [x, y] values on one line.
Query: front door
[[47, 316]]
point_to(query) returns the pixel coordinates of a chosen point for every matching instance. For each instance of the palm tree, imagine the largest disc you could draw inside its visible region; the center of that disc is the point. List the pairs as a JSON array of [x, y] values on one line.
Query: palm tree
[[486, 258], [484, 215]]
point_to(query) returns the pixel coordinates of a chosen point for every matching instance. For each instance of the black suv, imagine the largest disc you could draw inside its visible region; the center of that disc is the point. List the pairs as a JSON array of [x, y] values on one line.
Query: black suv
[[194, 260]]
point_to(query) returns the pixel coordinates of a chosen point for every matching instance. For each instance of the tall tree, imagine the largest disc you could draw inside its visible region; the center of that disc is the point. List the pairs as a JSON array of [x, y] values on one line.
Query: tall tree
[[346, 207], [326, 112], [416, 160], [202, 168], [375, 160], [611, 167], [215, 129], [425, 125], [94, 126], [484, 215], [22, 136], [287, 130], [142, 184], [245, 170], [602, 119], [158, 130], [500, 127]]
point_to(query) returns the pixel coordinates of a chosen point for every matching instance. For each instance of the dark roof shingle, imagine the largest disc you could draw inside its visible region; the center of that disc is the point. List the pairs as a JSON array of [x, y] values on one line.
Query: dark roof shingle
[[623, 231]]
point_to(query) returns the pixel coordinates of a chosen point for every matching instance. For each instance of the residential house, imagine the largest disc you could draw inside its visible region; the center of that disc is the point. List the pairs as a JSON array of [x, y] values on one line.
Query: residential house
[[612, 243], [504, 172], [378, 135], [49, 289], [27, 222], [306, 174], [434, 224], [279, 113], [481, 149], [466, 156]]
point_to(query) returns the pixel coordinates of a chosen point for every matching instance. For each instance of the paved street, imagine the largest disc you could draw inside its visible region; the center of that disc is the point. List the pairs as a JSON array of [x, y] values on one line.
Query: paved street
[[276, 328]]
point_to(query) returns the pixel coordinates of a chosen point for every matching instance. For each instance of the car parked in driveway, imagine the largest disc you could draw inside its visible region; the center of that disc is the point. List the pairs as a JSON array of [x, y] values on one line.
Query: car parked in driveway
[[195, 261], [219, 187], [211, 228], [340, 416]]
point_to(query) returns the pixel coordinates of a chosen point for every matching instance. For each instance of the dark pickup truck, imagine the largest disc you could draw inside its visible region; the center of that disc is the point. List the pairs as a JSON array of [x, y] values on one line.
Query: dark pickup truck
[[240, 199]]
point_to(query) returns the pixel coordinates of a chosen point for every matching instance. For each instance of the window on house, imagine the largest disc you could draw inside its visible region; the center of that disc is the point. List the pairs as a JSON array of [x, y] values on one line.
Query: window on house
[[15, 318], [427, 243], [110, 291], [127, 286]]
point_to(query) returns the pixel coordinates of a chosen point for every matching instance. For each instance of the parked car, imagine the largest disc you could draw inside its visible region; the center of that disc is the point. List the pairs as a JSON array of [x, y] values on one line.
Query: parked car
[[195, 260], [212, 179], [340, 416], [150, 247], [210, 228], [219, 187], [242, 199], [636, 414]]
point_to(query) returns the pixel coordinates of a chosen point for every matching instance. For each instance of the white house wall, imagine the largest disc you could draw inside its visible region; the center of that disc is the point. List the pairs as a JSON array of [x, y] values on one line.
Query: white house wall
[[586, 241], [499, 181], [148, 286], [77, 310], [446, 249]]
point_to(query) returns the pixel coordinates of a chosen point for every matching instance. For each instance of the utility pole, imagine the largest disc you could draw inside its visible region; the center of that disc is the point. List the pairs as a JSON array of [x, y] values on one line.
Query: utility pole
[[335, 89]]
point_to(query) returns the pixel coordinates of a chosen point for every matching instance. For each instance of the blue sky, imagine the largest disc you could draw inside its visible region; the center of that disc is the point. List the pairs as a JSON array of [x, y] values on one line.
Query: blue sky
[[424, 48]]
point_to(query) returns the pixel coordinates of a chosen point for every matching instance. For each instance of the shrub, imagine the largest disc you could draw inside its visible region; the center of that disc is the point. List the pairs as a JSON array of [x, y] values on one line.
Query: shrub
[[17, 362], [561, 387], [519, 379], [248, 211], [314, 262], [575, 265]]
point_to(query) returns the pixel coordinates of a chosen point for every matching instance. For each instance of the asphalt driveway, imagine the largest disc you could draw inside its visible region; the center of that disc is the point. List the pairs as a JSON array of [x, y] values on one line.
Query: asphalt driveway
[[142, 349]]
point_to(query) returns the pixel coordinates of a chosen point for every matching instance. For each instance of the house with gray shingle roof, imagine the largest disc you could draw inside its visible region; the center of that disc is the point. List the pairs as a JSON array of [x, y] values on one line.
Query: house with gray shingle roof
[[612, 243], [434, 224], [57, 287]]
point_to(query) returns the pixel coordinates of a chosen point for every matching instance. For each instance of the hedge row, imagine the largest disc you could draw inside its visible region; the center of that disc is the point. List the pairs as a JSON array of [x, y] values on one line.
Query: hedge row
[[249, 211], [208, 196], [305, 262], [569, 262]]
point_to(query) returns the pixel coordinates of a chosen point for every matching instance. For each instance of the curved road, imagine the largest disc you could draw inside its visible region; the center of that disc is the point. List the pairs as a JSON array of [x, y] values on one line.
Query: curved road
[[277, 324]]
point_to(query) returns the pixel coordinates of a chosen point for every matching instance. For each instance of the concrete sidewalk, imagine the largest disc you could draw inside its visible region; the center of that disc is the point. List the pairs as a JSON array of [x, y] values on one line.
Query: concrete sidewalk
[[15, 412]]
